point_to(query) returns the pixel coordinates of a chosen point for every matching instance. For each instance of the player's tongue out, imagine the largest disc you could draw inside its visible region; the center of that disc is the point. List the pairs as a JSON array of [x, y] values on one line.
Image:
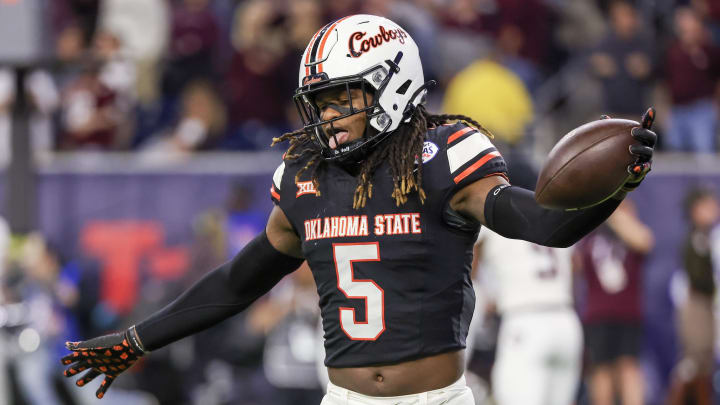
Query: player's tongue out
[[340, 136]]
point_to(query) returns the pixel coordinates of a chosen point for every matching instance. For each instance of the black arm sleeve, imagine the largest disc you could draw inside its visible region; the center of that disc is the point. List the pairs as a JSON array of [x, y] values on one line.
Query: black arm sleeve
[[221, 294], [513, 212]]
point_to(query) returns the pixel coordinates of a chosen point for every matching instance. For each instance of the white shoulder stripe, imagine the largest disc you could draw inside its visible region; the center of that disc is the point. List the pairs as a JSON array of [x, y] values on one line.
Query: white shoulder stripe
[[277, 177], [463, 151]]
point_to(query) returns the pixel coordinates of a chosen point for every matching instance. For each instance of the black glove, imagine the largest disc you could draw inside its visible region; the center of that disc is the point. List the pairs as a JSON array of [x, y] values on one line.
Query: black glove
[[642, 153], [110, 355]]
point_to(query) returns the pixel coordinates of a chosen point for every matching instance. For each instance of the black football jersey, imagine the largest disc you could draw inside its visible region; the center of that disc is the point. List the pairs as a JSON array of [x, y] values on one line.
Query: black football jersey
[[394, 282]]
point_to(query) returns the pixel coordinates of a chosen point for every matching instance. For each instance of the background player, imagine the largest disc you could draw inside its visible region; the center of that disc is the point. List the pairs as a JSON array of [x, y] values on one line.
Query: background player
[[384, 200], [539, 349]]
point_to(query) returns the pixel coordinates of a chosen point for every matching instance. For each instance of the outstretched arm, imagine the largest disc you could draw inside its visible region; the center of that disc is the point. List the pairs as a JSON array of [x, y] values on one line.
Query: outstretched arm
[[222, 293], [513, 212], [228, 289]]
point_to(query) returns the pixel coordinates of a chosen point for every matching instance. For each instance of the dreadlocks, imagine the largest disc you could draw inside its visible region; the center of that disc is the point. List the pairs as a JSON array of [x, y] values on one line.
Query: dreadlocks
[[401, 150]]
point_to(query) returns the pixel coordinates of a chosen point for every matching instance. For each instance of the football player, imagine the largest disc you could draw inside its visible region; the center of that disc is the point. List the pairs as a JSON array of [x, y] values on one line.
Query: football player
[[539, 348], [384, 200]]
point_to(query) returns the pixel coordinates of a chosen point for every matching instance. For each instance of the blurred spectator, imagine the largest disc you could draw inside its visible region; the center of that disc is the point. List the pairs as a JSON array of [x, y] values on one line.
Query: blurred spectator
[[7, 94], [91, 115], [201, 123], [142, 27], [221, 233], [486, 19], [98, 104], [624, 62], [71, 31], [304, 18], [224, 10], [194, 38], [692, 69], [49, 292], [70, 45], [692, 377], [710, 11], [508, 47], [4, 352], [4, 248], [289, 316], [257, 93], [191, 54], [117, 70], [494, 96], [76, 21], [47, 288], [466, 15], [44, 99], [611, 260], [462, 37], [580, 23], [533, 18]]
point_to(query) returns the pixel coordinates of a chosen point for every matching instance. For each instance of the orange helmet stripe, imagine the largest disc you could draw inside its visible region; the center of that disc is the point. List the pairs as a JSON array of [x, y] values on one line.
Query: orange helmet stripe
[[324, 39], [309, 51]]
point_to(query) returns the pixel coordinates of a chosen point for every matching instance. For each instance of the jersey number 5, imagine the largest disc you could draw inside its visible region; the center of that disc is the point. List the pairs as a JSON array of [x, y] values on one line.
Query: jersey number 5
[[345, 254]]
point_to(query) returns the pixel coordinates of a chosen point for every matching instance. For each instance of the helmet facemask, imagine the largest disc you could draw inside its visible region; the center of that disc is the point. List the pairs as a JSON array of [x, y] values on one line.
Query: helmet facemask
[[376, 121]]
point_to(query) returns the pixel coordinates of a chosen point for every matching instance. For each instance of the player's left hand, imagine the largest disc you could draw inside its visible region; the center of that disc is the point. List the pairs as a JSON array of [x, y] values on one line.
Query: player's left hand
[[642, 152], [109, 354]]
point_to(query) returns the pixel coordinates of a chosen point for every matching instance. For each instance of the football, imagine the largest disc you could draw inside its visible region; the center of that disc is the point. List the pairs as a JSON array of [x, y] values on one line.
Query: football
[[587, 165]]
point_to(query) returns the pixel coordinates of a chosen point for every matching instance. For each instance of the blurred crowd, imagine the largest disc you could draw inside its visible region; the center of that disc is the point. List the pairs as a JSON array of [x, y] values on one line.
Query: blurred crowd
[[184, 75], [176, 76]]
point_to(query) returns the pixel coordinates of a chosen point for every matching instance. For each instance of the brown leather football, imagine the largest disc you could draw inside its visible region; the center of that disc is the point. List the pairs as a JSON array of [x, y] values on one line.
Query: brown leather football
[[587, 165]]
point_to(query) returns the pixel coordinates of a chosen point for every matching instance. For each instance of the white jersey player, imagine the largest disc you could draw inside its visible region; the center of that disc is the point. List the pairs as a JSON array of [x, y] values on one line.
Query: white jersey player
[[538, 359]]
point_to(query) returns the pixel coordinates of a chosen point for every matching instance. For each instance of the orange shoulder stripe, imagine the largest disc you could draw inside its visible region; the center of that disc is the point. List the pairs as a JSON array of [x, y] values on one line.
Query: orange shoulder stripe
[[475, 166], [459, 133]]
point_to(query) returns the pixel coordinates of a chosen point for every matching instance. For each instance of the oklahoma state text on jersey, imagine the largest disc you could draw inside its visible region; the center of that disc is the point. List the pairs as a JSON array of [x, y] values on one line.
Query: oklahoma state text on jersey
[[394, 282], [357, 225]]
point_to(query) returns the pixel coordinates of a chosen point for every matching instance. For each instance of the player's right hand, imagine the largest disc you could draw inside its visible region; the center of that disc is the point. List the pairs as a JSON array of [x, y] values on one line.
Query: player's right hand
[[109, 354]]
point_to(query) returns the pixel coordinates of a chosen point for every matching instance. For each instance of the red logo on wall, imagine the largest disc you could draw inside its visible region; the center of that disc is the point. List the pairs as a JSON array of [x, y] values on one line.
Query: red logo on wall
[[121, 246]]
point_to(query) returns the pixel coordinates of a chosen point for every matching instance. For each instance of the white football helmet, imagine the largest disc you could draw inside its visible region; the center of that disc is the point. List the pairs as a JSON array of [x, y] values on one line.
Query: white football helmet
[[370, 53]]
